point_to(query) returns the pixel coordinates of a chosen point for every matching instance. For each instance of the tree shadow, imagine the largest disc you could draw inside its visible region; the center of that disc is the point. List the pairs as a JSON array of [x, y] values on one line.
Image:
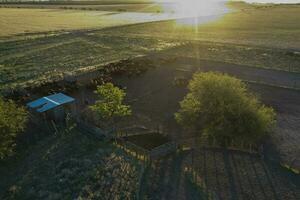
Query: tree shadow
[[235, 175]]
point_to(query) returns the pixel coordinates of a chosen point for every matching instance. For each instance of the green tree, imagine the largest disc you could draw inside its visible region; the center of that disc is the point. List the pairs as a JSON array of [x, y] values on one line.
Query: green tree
[[220, 107], [12, 122], [110, 104]]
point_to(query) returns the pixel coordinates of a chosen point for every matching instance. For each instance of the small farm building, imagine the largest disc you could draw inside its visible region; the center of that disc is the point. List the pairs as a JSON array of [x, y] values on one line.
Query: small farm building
[[53, 107]]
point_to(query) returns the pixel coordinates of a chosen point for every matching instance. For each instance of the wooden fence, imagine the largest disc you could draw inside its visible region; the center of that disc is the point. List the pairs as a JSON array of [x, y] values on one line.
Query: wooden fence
[[163, 150], [194, 178], [93, 130], [136, 151], [230, 145], [143, 154]]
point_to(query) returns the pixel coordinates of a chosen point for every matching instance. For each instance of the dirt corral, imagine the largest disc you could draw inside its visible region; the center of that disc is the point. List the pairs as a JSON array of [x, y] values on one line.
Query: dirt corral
[[155, 97]]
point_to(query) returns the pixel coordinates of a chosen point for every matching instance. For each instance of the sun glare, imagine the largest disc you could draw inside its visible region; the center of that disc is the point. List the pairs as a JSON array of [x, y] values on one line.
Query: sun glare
[[193, 12], [192, 8]]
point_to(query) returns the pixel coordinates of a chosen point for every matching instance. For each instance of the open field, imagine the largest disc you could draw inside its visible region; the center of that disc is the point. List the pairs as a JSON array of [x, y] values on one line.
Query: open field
[[246, 55], [270, 25], [38, 57], [44, 20], [267, 26], [30, 62], [15, 21], [117, 7]]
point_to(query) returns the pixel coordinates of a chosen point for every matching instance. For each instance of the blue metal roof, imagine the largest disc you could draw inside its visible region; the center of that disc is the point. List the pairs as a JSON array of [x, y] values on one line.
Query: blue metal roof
[[47, 103]]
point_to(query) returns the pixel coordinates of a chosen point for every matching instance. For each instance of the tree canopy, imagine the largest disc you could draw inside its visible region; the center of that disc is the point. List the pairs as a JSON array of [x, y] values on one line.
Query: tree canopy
[[220, 107], [110, 104], [12, 122]]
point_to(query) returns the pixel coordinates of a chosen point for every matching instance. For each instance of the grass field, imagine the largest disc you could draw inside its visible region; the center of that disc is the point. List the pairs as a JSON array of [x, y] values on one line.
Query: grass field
[[268, 26], [30, 62], [14, 21], [117, 7]]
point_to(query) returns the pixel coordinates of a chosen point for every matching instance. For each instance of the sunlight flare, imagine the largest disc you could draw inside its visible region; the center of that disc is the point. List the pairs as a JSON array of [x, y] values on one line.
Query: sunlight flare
[[195, 12]]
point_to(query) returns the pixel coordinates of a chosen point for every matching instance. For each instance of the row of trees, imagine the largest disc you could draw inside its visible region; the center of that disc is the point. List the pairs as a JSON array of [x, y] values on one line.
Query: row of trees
[[217, 106]]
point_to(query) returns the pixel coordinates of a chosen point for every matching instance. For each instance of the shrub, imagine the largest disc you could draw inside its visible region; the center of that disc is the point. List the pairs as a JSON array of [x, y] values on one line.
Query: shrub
[[12, 122], [220, 107], [110, 104]]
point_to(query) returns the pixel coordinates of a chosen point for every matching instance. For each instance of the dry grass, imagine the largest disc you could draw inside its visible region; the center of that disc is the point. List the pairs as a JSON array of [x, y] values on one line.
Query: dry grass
[[17, 21], [125, 7], [14, 21]]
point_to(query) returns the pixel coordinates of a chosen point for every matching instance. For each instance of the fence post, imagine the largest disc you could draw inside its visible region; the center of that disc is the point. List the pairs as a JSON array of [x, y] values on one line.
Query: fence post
[[193, 157], [54, 126]]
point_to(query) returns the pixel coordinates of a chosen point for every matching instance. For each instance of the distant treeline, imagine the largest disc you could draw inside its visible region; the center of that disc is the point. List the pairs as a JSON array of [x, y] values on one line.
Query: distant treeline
[[72, 2]]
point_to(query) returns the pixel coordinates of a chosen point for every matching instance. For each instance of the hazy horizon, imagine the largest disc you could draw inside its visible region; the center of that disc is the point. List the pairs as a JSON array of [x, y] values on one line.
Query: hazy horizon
[[249, 1], [272, 1]]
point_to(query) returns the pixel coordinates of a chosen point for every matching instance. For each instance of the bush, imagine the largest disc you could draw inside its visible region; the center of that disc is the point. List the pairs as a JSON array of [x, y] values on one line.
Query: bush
[[110, 104], [220, 107], [12, 122]]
